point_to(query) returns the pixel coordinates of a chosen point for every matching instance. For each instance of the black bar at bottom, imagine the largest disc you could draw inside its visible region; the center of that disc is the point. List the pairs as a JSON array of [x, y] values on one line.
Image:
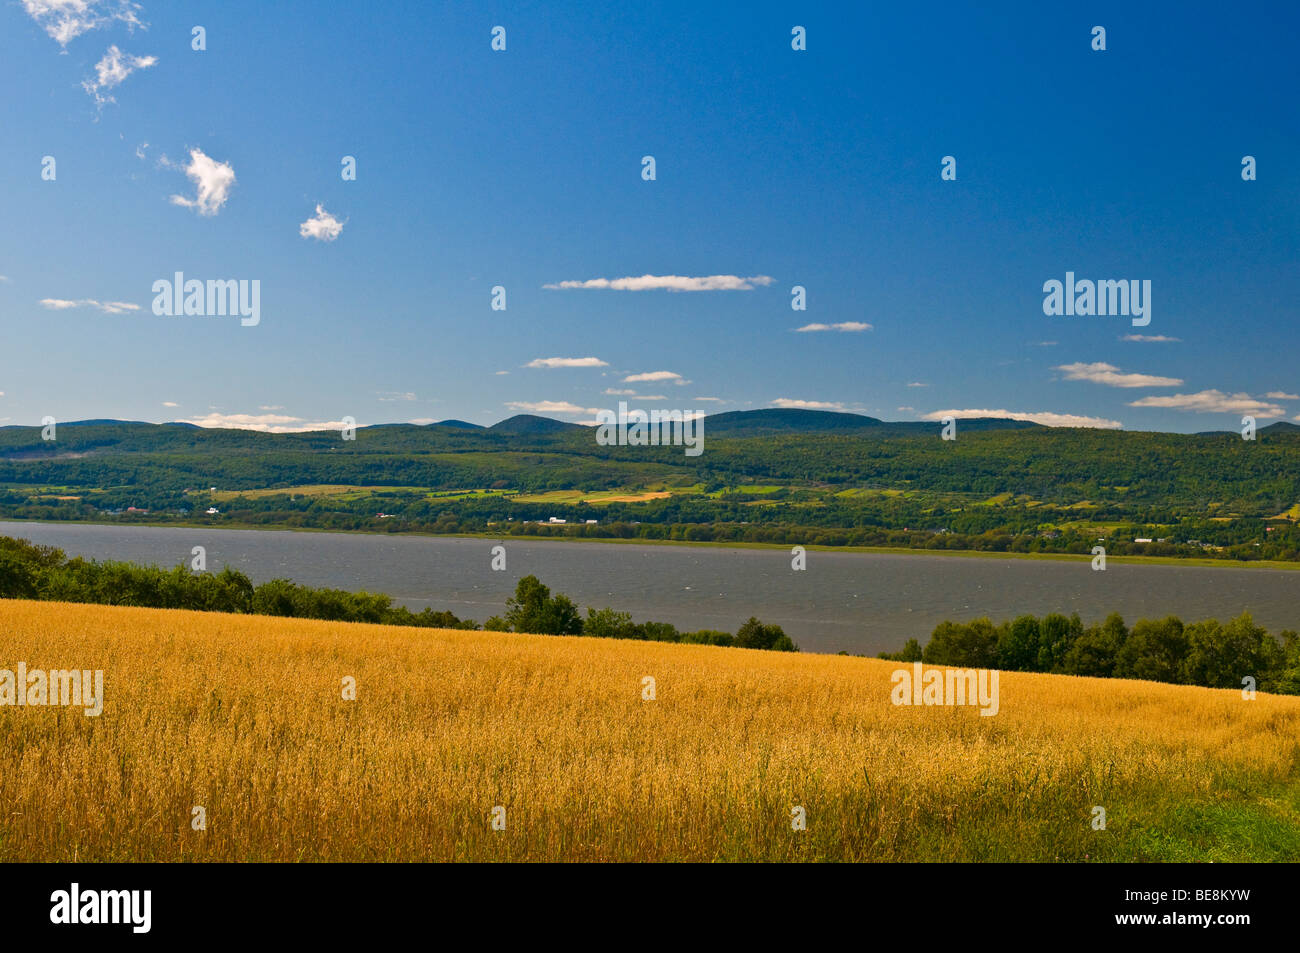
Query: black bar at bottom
[[214, 902]]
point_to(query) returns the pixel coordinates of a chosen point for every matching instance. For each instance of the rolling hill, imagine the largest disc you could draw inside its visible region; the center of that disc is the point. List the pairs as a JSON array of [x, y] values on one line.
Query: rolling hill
[[585, 764]]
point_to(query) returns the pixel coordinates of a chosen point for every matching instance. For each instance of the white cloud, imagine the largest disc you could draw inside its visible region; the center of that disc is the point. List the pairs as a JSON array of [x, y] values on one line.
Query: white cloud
[[1109, 374], [841, 326], [1046, 418], [905, 408], [271, 407], [108, 307], [551, 407], [391, 395], [3, 278], [170, 403], [213, 181], [1156, 338], [140, 150], [790, 402], [668, 283], [501, 373], [112, 70], [1043, 344], [322, 226], [65, 20], [651, 376], [1281, 395], [566, 362], [633, 394], [421, 421], [267, 423], [716, 400], [1213, 402], [917, 384]]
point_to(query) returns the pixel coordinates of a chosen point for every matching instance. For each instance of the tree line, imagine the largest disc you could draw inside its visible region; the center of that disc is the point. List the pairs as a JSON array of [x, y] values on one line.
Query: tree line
[[1211, 653], [29, 571]]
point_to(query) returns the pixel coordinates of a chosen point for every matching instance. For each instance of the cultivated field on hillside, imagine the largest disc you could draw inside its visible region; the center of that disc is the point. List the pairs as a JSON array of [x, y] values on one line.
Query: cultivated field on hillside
[[244, 717]]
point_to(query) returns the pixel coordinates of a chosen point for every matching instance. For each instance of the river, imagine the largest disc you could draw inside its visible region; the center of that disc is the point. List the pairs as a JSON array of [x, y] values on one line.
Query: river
[[857, 602]]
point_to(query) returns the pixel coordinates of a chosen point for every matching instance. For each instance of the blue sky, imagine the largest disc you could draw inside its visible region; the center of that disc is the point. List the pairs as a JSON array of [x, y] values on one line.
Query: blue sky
[[477, 168]]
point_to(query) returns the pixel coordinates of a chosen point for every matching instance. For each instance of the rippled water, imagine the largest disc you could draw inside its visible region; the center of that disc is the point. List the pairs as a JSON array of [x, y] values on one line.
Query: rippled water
[[859, 602]]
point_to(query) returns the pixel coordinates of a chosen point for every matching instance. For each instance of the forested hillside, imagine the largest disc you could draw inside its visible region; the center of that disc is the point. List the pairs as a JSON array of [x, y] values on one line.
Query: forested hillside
[[772, 476]]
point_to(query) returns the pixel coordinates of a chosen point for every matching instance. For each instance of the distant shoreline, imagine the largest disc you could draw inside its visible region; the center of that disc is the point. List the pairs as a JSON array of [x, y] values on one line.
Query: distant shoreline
[[1194, 561]]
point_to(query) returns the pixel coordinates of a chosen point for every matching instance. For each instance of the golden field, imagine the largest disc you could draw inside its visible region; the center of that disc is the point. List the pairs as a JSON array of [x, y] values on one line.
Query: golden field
[[244, 716]]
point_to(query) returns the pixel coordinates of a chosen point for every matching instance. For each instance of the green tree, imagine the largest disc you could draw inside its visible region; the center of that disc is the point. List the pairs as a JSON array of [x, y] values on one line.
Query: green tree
[[1219, 656], [1056, 634], [533, 609], [607, 624], [973, 645], [1095, 652], [1154, 651], [911, 652], [1018, 645], [755, 635]]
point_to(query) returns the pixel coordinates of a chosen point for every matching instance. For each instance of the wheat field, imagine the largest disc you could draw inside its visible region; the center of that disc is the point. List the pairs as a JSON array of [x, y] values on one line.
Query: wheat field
[[244, 716]]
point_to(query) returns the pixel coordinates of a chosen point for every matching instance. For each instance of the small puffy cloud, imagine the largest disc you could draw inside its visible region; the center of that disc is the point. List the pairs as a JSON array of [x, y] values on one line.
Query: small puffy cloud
[[421, 421], [652, 376], [917, 384], [1043, 344], [1110, 375], [3, 278], [905, 408], [391, 395], [667, 283], [108, 307], [1281, 395], [114, 307], [112, 70], [1046, 418], [716, 400], [1213, 402], [566, 362], [170, 403], [322, 226], [65, 20], [789, 402], [550, 407], [140, 150], [841, 326], [613, 392], [271, 407], [267, 423], [501, 373], [212, 180], [1151, 338]]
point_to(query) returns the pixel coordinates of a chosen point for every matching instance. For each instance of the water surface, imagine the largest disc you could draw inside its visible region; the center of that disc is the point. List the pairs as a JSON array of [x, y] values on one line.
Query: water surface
[[858, 602]]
